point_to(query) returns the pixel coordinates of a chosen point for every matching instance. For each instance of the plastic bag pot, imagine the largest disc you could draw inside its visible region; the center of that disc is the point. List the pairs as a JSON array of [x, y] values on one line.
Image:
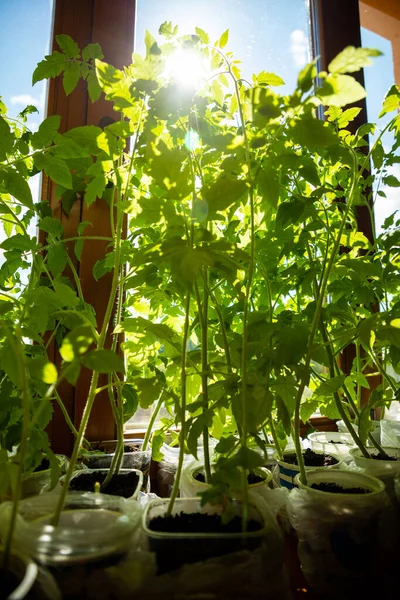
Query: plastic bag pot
[[347, 542], [385, 470], [133, 492], [32, 582], [331, 442], [288, 471], [40, 481], [173, 550], [131, 460], [92, 528]]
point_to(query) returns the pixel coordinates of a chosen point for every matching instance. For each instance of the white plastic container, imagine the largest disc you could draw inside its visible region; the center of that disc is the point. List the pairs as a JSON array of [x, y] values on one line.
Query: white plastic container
[[376, 432], [191, 487], [347, 542], [385, 470], [83, 472], [331, 442]]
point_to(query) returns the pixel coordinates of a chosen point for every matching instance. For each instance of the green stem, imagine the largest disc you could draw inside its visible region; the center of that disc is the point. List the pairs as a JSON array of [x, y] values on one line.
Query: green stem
[[182, 433], [275, 438], [151, 422]]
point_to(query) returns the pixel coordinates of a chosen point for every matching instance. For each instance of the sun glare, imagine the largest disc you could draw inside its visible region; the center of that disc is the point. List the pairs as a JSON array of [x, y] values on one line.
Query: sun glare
[[186, 68]]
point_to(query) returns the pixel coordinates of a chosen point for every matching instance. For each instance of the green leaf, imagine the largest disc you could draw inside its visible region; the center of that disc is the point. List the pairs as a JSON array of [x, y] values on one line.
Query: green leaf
[[92, 51], [51, 66], [94, 88], [11, 362], [131, 401], [306, 77], [6, 136], [95, 189], [352, 59], [71, 77], [57, 258], [391, 181], [17, 186], [149, 390], [85, 137], [224, 192], [223, 40], [265, 78], [53, 226], [226, 444], [47, 132], [365, 424], [391, 101], [331, 385], [314, 133], [68, 46], [107, 75], [269, 185], [76, 342], [42, 369], [339, 90], [104, 361], [57, 170]]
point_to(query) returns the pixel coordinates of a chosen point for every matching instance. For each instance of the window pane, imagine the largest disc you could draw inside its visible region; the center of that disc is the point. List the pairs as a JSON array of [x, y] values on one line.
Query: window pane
[[272, 36], [25, 37]]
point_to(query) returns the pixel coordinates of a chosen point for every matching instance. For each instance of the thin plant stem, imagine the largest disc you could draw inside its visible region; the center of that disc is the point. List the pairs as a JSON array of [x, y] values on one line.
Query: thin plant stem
[[151, 422]]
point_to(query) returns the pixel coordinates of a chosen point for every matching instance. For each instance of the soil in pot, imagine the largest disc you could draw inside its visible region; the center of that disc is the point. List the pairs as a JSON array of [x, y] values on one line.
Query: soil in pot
[[43, 466], [122, 484], [334, 488], [381, 456], [127, 448], [173, 552], [252, 478], [312, 459], [9, 582]]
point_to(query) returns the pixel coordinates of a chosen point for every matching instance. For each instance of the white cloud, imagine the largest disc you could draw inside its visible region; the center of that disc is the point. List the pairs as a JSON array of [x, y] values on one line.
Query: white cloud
[[299, 47], [25, 99]]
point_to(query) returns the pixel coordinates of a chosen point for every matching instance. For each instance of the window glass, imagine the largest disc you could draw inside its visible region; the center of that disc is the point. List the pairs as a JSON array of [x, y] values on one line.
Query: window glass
[[25, 37]]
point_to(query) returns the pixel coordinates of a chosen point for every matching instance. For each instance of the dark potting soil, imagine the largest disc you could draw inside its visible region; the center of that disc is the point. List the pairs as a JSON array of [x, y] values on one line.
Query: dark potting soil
[[44, 465], [200, 523], [252, 478], [312, 459], [8, 582], [334, 488], [123, 484], [127, 448], [381, 456], [173, 552]]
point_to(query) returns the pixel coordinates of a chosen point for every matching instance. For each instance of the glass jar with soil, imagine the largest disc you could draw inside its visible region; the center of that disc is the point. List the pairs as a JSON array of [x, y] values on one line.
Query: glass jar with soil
[[126, 483], [288, 467], [347, 533], [95, 531], [133, 458]]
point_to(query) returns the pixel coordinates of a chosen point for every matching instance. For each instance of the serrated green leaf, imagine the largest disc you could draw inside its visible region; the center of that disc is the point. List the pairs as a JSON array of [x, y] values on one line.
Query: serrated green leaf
[[94, 87], [57, 170], [68, 46], [352, 59], [47, 132], [313, 133], [95, 189], [57, 258], [391, 101], [149, 390], [265, 78], [52, 66], [71, 77], [53, 226], [331, 385], [223, 40], [391, 181], [76, 342], [269, 185], [131, 401], [15, 185], [339, 90], [306, 77], [6, 136], [103, 361], [92, 51]]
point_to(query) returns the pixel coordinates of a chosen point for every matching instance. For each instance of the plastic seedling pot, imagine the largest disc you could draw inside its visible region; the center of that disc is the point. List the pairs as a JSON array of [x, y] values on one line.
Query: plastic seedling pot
[[376, 432], [134, 459], [288, 471], [39, 481], [346, 540], [191, 487], [331, 442], [176, 549], [92, 528], [126, 483], [385, 470], [25, 580]]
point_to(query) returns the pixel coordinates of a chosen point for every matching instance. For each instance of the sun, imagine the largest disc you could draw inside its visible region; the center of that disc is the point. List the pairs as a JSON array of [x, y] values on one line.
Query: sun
[[186, 68]]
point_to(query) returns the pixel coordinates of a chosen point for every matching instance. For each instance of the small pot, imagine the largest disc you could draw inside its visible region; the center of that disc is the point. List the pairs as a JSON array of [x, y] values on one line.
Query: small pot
[[376, 432], [190, 487], [84, 472], [131, 460], [36, 483], [385, 470], [288, 472], [331, 442], [176, 549], [346, 540]]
